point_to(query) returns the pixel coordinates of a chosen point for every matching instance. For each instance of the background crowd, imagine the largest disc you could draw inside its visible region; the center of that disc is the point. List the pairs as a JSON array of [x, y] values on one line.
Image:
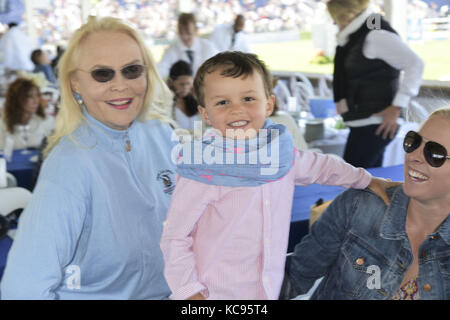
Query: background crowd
[[156, 19]]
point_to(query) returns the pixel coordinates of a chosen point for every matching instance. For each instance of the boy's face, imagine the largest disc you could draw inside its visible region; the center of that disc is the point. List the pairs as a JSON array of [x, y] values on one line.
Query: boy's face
[[236, 103]]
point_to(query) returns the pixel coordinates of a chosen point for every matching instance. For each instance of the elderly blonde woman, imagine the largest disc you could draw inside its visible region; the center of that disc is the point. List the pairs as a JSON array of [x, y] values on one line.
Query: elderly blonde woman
[[92, 228], [368, 90], [365, 249]]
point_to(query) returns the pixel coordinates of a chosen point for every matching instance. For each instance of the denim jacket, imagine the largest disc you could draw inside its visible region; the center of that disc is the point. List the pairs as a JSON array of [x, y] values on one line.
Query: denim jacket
[[360, 246]]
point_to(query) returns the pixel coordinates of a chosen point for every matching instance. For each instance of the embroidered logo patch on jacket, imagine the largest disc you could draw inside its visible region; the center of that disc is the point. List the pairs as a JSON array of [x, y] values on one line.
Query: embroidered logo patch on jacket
[[167, 179]]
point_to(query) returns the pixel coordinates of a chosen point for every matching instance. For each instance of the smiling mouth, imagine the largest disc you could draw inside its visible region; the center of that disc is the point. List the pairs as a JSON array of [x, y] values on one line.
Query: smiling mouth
[[417, 176], [238, 124], [120, 103]]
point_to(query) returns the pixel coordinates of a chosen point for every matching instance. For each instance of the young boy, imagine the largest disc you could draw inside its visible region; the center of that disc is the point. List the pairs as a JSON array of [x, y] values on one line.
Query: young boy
[[226, 232]]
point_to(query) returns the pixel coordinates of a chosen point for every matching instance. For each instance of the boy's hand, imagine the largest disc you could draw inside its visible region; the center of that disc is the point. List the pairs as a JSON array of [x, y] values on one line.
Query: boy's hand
[[197, 296], [379, 186]]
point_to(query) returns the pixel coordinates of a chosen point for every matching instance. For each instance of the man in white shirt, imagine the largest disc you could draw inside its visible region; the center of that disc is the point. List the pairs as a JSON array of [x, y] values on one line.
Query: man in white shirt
[[188, 47], [231, 36], [16, 48]]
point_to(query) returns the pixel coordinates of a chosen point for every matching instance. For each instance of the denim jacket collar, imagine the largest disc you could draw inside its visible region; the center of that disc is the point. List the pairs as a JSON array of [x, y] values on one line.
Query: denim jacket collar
[[444, 230], [394, 222], [393, 225]]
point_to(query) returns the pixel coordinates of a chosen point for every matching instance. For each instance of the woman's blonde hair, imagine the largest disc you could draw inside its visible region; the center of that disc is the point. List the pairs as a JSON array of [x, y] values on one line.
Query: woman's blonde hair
[[442, 112], [156, 101], [338, 8]]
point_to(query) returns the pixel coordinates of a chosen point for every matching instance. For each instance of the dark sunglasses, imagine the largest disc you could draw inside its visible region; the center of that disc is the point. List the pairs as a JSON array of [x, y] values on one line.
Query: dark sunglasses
[[130, 72], [435, 154]]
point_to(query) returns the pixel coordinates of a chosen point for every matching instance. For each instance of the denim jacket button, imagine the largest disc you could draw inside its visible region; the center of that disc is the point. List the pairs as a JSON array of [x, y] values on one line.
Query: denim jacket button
[[423, 254], [360, 261], [427, 287]]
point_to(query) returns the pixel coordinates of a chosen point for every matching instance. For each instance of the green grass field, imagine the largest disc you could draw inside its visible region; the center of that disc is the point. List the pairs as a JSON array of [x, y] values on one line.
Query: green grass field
[[296, 56]]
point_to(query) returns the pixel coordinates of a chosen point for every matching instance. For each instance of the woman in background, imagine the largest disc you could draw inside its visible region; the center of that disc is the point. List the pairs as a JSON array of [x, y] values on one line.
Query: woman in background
[[184, 109], [24, 119], [368, 91]]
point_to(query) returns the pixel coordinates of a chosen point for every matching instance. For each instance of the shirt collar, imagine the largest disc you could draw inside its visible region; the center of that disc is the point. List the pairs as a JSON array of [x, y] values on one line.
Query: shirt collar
[[444, 230], [393, 226], [343, 36], [394, 221], [183, 47], [93, 132]]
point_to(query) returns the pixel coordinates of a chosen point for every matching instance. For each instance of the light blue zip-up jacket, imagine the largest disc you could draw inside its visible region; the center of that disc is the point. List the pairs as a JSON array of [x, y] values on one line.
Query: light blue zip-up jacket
[[93, 226]]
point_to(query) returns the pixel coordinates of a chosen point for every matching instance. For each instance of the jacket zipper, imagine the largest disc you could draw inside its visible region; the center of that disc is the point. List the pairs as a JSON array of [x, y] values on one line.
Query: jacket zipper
[[127, 143]]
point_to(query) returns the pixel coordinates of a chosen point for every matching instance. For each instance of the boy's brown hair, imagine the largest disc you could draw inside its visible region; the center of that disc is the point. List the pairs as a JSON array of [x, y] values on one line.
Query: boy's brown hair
[[233, 64]]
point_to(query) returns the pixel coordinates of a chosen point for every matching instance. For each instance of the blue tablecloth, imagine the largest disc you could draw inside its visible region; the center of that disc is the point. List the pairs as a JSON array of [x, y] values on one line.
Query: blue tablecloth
[[22, 168], [306, 196], [5, 245]]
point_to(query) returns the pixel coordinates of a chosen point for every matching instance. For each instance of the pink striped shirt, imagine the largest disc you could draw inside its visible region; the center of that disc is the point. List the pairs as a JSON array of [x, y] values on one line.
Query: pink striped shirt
[[231, 242]]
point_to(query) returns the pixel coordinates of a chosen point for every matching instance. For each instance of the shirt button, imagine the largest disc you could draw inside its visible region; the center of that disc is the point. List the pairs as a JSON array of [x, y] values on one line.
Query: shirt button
[[427, 287], [266, 279], [266, 202], [360, 261], [267, 242]]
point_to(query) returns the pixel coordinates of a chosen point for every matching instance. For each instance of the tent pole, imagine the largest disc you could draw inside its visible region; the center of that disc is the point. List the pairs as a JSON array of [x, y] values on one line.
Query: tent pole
[[396, 14]]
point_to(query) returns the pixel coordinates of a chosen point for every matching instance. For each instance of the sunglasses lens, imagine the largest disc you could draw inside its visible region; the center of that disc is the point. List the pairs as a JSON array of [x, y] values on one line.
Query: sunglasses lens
[[130, 72], [412, 141], [103, 75], [133, 72], [435, 154]]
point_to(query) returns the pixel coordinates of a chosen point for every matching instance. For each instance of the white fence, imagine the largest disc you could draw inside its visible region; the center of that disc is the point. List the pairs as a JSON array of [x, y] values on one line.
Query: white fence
[[429, 29]]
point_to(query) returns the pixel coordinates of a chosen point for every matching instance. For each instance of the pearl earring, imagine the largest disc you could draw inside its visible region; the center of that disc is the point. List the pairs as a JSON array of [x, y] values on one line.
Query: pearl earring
[[78, 98]]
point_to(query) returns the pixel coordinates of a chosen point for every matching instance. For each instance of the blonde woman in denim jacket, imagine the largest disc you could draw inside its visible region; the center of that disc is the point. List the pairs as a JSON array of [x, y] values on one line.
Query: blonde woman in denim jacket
[[364, 249]]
